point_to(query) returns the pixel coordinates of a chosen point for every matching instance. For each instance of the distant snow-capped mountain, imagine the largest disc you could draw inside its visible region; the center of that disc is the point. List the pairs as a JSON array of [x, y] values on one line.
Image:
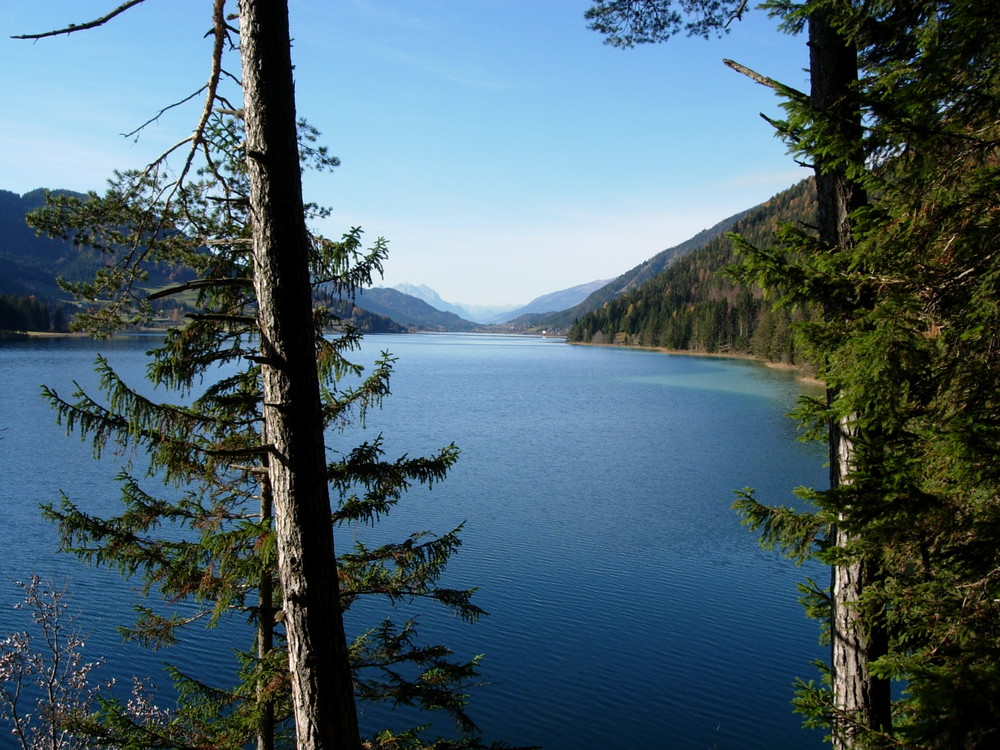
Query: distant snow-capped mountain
[[475, 313], [551, 302]]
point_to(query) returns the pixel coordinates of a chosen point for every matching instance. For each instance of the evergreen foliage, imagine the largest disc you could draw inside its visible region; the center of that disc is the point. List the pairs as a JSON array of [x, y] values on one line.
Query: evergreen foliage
[[907, 342], [205, 545], [903, 312], [28, 313], [32, 264]]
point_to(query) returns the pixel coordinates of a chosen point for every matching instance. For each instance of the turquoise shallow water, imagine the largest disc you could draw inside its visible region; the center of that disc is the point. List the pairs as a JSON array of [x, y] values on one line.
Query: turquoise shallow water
[[629, 608]]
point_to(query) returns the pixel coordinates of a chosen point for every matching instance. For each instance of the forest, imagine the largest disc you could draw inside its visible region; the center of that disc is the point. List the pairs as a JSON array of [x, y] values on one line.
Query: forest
[[896, 281], [19, 314]]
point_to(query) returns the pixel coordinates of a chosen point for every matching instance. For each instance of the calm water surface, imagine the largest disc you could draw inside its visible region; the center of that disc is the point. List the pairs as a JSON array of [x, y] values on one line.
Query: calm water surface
[[629, 609]]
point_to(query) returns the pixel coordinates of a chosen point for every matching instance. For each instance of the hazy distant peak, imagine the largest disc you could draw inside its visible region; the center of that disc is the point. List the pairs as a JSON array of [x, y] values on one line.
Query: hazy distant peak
[[476, 313], [551, 302]]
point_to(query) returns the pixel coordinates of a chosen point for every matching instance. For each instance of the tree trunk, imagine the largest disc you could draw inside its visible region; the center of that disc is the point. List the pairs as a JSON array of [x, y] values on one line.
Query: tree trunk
[[322, 688], [265, 622], [860, 700]]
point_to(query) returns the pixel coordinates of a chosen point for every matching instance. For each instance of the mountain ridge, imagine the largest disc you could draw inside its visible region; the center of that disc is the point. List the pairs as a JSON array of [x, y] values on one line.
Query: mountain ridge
[[638, 275], [492, 315], [691, 306], [33, 262]]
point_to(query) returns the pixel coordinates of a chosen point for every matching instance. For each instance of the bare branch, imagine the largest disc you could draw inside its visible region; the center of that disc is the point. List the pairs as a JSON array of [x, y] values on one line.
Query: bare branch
[[198, 284], [737, 14], [248, 320], [234, 79], [227, 242], [220, 32], [765, 81], [239, 202], [260, 450], [160, 114], [83, 26], [250, 469]]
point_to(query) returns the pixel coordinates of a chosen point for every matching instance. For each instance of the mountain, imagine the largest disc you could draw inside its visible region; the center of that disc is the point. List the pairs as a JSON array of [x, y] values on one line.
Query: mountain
[[477, 313], [555, 301], [547, 303], [31, 263], [604, 311], [637, 276], [557, 311], [691, 306], [411, 311]]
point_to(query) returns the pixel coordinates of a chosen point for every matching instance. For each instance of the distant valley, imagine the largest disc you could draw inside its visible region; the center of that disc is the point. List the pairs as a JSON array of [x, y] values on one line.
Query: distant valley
[[669, 300], [552, 302]]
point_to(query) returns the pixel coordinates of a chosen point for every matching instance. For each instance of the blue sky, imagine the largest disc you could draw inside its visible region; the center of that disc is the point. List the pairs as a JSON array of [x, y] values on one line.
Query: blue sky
[[502, 149]]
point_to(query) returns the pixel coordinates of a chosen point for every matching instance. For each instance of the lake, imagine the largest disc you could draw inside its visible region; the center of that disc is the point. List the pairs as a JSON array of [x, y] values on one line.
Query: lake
[[628, 606]]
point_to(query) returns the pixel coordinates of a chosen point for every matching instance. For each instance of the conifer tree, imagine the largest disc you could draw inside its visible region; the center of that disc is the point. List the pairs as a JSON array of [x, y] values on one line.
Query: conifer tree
[[825, 127], [911, 356], [217, 541]]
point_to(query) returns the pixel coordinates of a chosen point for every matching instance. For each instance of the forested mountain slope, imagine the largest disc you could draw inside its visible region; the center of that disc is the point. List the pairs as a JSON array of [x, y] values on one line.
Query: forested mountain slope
[[410, 311], [31, 263], [692, 306], [31, 299], [635, 277]]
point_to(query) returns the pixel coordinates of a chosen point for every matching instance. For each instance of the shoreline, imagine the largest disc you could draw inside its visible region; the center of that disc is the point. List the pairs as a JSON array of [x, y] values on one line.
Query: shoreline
[[802, 375], [55, 334]]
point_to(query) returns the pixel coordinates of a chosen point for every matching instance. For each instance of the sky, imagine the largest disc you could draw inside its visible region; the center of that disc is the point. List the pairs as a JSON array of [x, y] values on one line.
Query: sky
[[499, 146]]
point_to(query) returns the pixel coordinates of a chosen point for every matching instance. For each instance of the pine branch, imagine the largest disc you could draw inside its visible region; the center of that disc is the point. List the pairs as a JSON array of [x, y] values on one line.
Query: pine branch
[[794, 533], [260, 450], [247, 320], [737, 14]]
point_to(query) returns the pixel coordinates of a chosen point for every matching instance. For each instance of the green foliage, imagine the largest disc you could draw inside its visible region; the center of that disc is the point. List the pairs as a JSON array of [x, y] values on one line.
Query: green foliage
[[625, 23], [899, 306], [32, 263], [204, 546], [797, 534], [907, 340], [28, 313]]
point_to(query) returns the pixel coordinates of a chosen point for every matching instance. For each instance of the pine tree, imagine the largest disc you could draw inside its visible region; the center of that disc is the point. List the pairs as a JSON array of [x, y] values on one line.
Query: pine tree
[[217, 541], [911, 356], [825, 126]]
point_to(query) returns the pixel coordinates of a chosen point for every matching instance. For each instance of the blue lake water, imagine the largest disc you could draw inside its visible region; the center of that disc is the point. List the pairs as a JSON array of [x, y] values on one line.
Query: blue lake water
[[629, 608]]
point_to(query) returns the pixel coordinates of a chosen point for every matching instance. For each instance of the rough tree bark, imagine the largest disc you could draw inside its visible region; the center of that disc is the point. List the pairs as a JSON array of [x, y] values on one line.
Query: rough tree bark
[[317, 651], [265, 620], [860, 700]]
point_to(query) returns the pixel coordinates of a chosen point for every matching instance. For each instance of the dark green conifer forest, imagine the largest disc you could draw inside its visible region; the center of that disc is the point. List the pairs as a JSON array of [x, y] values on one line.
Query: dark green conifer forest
[[19, 314]]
